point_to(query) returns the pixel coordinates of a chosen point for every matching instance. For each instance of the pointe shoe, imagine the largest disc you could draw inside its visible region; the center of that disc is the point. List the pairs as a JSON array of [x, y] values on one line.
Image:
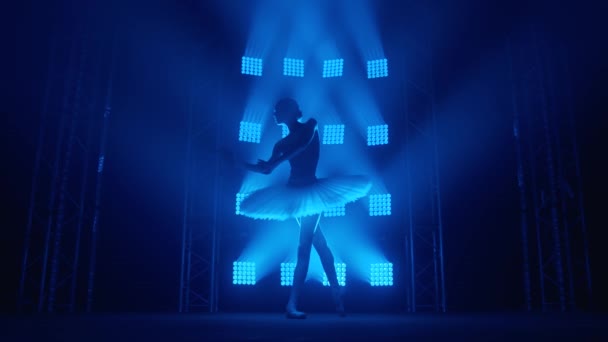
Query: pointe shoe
[[292, 313], [295, 314]]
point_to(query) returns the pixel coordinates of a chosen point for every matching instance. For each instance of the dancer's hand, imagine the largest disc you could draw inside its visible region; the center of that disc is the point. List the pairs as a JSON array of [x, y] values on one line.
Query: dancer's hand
[[261, 167], [264, 167]]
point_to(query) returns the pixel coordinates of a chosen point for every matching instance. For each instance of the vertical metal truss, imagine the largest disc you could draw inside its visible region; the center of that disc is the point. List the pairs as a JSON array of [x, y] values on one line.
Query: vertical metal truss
[[424, 236], [200, 238], [66, 178], [554, 233]]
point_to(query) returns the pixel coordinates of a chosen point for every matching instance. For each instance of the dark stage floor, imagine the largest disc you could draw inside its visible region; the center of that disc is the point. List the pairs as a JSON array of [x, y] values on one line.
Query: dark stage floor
[[318, 327]]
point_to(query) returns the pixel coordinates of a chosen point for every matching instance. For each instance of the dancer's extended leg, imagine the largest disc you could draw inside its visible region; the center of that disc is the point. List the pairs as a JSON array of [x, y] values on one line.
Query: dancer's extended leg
[[307, 230], [327, 260]]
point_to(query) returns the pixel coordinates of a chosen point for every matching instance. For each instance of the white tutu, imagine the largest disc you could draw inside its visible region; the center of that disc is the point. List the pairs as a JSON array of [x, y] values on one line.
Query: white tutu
[[284, 202]]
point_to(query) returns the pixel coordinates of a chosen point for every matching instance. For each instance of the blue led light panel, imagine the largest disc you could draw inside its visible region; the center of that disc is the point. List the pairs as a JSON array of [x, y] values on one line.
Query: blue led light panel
[[340, 271], [382, 274], [251, 66], [284, 131], [293, 67], [377, 135], [333, 68], [239, 198], [243, 273], [335, 211], [377, 68], [333, 134], [287, 269], [100, 164], [380, 205], [250, 132]]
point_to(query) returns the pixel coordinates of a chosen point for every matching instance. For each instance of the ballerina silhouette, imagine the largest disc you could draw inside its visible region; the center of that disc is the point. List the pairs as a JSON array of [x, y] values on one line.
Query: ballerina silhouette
[[304, 198]]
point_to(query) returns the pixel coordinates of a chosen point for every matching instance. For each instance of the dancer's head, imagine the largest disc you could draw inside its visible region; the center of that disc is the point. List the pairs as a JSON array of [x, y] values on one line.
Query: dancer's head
[[287, 111]]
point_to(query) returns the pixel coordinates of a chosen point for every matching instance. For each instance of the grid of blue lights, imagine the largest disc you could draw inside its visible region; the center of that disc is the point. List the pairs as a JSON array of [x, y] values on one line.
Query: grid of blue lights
[[333, 68], [333, 134], [251, 66], [293, 67], [335, 211], [287, 269], [250, 132], [239, 198], [382, 274], [284, 131], [380, 205], [341, 273], [377, 68], [377, 135], [243, 273], [100, 164]]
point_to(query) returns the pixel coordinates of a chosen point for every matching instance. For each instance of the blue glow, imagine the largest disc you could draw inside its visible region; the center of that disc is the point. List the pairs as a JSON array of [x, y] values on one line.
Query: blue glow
[[377, 135], [336, 211], [354, 243], [333, 68], [250, 132], [361, 104], [287, 269], [251, 66], [243, 273], [293, 67], [363, 27], [380, 205], [377, 68], [333, 134], [239, 198], [267, 248], [382, 274], [100, 164], [341, 273], [284, 131]]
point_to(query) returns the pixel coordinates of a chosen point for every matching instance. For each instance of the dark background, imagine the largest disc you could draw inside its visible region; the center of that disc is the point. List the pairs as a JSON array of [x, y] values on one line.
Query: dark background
[[139, 243]]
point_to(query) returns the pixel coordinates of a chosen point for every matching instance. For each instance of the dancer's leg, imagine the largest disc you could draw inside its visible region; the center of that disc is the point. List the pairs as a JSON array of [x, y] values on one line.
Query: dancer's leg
[[307, 230], [327, 260]]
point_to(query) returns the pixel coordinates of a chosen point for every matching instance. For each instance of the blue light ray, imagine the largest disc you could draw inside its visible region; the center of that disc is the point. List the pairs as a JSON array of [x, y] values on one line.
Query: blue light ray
[[269, 246], [360, 106], [359, 20]]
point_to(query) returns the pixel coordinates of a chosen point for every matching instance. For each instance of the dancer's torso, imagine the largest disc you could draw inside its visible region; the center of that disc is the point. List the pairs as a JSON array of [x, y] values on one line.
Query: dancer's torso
[[304, 165]]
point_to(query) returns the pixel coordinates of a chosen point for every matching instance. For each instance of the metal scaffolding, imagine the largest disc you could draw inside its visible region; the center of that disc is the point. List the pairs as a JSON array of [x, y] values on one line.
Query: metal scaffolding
[[64, 202], [424, 235], [200, 237], [553, 227]]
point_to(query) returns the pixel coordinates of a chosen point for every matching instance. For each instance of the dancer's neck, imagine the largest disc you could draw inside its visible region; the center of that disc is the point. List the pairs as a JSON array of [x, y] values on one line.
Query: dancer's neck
[[294, 126]]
